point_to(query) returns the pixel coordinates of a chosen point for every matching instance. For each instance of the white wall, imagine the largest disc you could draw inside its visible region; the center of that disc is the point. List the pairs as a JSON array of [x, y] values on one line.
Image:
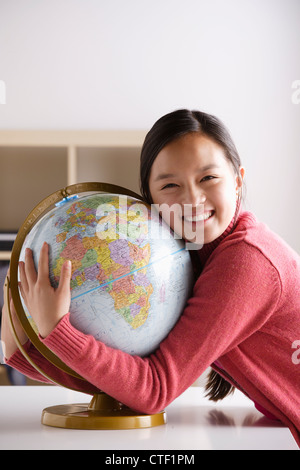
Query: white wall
[[122, 64]]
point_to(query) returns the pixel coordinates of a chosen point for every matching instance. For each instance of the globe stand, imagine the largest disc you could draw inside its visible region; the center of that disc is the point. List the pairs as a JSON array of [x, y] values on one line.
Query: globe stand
[[103, 412]]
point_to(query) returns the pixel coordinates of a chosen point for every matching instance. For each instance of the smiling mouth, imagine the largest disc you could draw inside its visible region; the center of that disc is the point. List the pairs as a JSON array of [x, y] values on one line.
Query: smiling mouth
[[200, 217]]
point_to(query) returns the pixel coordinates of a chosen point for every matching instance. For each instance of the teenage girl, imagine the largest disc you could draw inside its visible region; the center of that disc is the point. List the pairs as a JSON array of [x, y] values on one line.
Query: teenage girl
[[243, 318]]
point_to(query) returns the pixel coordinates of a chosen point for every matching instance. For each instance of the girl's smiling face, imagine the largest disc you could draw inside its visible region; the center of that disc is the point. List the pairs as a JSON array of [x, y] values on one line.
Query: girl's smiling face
[[193, 175]]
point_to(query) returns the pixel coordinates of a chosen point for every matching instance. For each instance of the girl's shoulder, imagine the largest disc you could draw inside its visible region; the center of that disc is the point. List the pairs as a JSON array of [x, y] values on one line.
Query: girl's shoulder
[[259, 235], [251, 235]]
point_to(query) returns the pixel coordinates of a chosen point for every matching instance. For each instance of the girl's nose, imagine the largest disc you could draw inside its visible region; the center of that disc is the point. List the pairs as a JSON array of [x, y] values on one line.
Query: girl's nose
[[194, 196]]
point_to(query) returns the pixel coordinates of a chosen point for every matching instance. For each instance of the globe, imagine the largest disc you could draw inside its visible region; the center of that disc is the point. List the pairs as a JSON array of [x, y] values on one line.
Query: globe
[[131, 278]]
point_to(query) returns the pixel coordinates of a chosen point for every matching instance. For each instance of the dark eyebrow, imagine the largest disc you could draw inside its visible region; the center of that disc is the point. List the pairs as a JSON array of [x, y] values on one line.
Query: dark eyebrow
[[164, 176]]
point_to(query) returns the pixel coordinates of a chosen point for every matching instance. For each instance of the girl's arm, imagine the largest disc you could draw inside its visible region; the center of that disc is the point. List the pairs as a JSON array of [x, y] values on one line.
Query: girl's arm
[[232, 300], [51, 374]]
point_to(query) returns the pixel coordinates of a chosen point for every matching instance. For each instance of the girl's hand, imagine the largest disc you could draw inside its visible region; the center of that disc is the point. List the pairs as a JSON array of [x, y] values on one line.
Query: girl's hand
[[46, 305]]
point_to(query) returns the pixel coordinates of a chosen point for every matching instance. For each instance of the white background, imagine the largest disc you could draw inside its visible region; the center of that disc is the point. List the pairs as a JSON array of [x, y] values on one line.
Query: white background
[[116, 64]]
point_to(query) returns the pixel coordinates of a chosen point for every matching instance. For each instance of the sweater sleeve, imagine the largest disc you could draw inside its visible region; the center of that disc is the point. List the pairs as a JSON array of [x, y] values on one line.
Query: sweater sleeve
[[18, 362], [51, 374], [234, 296]]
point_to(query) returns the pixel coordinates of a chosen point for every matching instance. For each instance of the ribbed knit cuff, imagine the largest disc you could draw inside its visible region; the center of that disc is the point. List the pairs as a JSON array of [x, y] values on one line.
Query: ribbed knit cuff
[[65, 341], [17, 360]]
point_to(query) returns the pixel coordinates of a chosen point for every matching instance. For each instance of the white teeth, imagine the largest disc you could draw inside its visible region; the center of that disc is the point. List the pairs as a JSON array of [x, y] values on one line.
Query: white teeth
[[200, 217]]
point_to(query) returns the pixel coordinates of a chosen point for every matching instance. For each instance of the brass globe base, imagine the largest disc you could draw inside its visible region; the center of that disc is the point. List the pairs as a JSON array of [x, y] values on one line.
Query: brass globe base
[[103, 412]]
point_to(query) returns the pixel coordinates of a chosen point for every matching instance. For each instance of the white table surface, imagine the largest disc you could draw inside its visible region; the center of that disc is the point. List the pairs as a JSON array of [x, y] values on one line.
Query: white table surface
[[193, 423]]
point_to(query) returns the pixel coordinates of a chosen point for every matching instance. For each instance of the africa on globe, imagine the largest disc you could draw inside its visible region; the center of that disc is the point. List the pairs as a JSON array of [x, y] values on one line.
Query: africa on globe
[[130, 277]]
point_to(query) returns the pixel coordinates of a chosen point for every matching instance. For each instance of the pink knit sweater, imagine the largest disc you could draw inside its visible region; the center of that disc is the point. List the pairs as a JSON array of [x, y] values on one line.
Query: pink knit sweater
[[244, 316]]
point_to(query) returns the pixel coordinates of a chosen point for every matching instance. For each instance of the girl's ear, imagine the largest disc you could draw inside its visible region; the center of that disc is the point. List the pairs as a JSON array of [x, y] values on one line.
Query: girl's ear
[[240, 178]]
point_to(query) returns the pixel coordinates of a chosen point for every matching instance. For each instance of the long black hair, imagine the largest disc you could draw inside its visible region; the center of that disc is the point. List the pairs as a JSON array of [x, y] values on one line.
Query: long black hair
[[168, 128]]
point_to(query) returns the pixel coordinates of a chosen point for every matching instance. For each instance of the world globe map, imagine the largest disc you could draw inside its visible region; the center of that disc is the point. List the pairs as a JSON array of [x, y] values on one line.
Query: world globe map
[[131, 277]]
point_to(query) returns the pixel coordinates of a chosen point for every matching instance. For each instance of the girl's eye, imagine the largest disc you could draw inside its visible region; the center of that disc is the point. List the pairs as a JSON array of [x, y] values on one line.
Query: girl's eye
[[208, 177], [170, 185]]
